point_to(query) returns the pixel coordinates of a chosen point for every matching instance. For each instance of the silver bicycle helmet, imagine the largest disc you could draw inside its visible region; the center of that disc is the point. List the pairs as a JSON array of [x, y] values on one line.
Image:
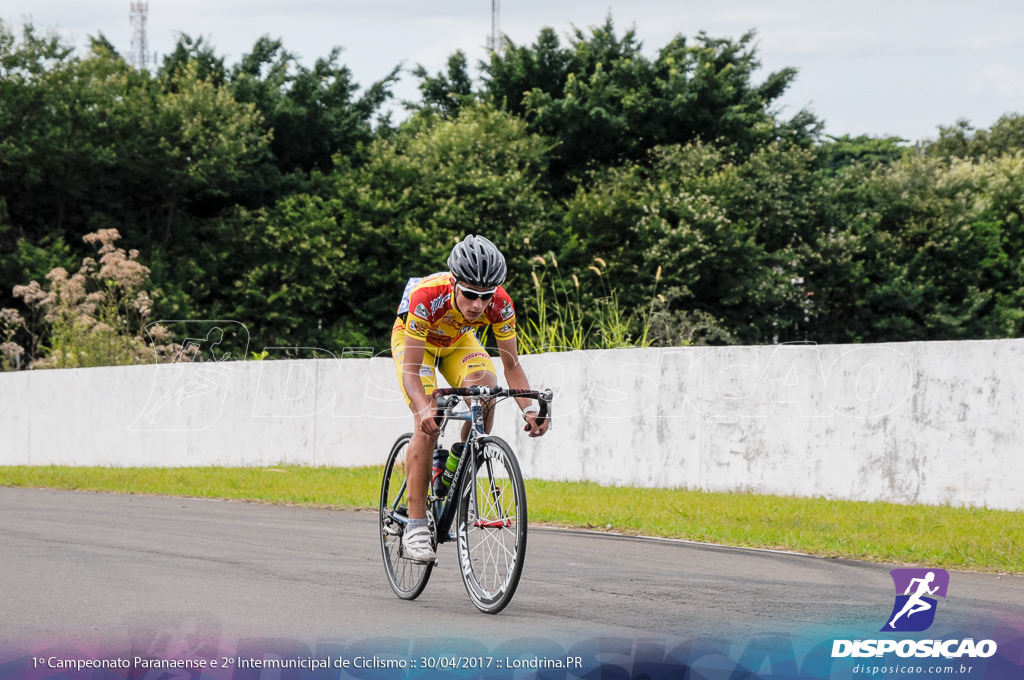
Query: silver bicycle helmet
[[478, 262]]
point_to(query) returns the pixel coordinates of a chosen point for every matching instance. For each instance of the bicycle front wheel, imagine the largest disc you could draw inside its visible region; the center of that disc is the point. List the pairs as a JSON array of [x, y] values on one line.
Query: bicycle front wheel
[[492, 525], [407, 577]]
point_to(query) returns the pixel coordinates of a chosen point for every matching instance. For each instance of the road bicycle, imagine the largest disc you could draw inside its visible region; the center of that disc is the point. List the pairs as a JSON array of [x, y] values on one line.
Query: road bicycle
[[483, 511]]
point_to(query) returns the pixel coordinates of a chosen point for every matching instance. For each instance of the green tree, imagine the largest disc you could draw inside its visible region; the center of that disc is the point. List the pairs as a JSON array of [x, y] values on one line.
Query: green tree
[[446, 93], [329, 267], [725, 230], [53, 131], [313, 113], [962, 140], [841, 152], [206, 141], [922, 249], [606, 103], [196, 54], [519, 70], [62, 127]]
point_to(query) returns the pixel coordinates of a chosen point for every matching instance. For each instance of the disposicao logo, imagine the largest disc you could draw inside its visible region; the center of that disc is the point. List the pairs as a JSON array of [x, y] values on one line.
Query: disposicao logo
[[914, 611], [915, 605]]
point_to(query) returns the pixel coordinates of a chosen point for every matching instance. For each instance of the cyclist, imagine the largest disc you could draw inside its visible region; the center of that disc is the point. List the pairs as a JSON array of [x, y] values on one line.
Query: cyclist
[[435, 330]]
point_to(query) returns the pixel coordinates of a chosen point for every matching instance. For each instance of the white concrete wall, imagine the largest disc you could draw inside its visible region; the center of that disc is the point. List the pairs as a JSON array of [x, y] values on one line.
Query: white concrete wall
[[931, 423]]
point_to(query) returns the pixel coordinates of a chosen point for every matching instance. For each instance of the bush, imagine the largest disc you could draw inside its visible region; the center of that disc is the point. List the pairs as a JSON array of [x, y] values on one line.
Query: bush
[[95, 317]]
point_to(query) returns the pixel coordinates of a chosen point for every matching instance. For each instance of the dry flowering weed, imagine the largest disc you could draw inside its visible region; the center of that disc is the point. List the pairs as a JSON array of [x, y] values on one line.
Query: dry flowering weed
[[11, 353], [97, 316]]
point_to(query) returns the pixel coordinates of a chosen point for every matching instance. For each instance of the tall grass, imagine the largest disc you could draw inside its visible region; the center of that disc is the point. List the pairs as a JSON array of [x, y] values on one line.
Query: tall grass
[[563, 316], [556, 322]]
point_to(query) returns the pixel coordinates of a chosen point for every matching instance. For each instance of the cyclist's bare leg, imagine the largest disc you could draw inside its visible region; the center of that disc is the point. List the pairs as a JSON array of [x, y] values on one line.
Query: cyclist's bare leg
[[418, 461]]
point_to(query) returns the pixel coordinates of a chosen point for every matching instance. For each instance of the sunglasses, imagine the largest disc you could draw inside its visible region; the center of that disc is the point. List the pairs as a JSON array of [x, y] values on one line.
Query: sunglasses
[[471, 294]]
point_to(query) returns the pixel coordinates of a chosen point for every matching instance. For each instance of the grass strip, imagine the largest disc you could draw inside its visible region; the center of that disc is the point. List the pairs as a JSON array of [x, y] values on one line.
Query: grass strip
[[974, 539]]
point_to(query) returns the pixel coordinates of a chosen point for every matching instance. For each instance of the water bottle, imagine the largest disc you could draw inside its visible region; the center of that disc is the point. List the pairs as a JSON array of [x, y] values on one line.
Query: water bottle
[[440, 459], [449, 467]]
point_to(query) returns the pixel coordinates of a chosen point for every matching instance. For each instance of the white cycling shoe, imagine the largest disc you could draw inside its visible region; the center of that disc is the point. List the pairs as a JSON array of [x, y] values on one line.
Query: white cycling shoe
[[416, 544]]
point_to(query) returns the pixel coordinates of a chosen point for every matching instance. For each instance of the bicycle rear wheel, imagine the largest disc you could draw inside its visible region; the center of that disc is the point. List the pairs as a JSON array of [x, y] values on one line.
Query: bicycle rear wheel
[[407, 577], [492, 526]]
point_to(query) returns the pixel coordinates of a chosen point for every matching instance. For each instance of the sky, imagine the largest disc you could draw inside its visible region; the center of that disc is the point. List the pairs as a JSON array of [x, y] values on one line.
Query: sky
[[900, 68]]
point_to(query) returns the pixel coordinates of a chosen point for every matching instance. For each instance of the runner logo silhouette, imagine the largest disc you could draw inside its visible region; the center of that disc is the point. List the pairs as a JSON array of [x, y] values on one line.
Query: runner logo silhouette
[[914, 609]]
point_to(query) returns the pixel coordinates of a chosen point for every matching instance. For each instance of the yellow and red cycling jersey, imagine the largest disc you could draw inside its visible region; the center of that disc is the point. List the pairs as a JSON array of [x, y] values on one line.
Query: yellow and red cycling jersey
[[434, 318]]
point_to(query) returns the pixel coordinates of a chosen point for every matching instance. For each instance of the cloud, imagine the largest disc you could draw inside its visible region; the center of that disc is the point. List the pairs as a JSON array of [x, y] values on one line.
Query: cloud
[[1005, 82]]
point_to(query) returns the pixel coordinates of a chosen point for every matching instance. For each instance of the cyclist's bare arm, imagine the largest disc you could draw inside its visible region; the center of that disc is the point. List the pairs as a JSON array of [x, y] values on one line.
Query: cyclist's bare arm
[[516, 378]]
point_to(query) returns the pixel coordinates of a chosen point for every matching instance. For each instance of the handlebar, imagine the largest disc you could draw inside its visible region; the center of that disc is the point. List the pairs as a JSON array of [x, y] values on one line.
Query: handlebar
[[441, 396]]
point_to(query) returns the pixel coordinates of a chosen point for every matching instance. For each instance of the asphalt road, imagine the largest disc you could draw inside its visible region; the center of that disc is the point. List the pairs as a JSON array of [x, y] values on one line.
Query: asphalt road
[[166, 575]]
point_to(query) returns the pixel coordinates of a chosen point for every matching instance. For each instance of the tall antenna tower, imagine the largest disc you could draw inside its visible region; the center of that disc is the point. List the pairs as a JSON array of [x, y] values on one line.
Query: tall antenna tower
[[140, 47], [496, 41]]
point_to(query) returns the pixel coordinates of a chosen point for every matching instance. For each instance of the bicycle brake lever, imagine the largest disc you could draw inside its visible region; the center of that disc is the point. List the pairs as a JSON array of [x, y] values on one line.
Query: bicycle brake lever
[[446, 401]]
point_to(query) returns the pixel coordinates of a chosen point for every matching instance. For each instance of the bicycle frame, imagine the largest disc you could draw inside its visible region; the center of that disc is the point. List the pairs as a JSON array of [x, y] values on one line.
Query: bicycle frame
[[444, 508]]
